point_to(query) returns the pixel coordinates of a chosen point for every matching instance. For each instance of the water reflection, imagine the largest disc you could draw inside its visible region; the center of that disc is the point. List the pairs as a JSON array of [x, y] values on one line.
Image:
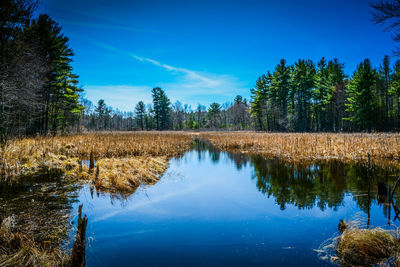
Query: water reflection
[[217, 209], [41, 207], [322, 184]]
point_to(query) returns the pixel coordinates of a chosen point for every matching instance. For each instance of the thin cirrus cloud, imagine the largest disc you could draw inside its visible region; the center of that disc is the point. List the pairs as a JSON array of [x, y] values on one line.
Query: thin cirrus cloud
[[190, 87]]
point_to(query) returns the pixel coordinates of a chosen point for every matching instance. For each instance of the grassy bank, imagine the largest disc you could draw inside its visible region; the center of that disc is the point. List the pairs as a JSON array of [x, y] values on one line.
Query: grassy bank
[[382, 148], [122, 161]]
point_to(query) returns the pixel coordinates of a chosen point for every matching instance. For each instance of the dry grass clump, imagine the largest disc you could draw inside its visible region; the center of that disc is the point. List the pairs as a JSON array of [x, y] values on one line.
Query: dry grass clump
[[310, 146], [128, 173], [359, 246], [125, 159], [366, 247], [17, 249]]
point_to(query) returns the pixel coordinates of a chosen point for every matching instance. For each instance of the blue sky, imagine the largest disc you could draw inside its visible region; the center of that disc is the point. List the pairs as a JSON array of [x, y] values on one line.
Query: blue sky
[[206, 51]]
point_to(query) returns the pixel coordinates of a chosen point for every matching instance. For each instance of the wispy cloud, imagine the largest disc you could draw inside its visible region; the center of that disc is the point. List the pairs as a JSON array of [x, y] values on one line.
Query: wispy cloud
[[190, 73], [191, 87]]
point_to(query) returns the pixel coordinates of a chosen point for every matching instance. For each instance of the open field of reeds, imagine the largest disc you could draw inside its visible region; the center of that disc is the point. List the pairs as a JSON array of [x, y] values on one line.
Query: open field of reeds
[[311, 146], [113, 161], [121, 161]]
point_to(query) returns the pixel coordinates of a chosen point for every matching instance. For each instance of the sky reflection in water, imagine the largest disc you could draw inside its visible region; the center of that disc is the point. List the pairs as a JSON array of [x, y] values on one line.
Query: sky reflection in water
[[215, 208]]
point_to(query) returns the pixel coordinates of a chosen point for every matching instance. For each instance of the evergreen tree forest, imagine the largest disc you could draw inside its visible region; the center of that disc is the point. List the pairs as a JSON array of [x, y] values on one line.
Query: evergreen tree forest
[[315, 97], [40, 93], [303, 97]]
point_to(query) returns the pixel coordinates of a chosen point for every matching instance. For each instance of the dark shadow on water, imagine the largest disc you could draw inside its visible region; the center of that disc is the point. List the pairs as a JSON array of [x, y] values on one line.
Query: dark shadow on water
[[41, 207]]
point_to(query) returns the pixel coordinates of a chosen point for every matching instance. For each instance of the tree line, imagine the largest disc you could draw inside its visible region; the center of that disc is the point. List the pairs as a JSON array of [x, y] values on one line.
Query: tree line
[[314, 97], [162, 115], [303, 97], [39, 91]]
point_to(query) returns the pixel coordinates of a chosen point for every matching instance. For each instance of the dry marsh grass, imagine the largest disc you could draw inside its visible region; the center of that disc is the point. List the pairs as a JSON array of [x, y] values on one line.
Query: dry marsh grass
[[123, 160], [17, 249], [311, 146], [366, 247], [359, 245], [127, 159], [128, 173]]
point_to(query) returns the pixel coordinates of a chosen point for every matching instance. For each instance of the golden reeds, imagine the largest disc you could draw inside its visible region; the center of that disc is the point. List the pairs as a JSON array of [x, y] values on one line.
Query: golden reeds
[[366, 247], [121, 174], [311, 146], [124, 160], [123, 163], [17, 249]]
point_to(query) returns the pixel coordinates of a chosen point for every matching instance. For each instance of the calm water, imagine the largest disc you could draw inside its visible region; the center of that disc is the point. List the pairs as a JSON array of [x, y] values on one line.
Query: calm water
[[214, 208]]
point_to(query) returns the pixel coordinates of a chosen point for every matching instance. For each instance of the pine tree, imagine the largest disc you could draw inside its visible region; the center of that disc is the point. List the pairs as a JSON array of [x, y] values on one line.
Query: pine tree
[[140, 113], [259, 96], [280, 84], [60, 93], [361, 103], [161, 107], [395, 92], [102, 113], [14, 17], [385, 103], [303, 81], [214, 114], [335, 96], [321, 95]]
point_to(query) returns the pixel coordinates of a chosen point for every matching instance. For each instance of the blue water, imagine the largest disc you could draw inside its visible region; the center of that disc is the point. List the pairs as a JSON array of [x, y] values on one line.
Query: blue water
[[212, 208]]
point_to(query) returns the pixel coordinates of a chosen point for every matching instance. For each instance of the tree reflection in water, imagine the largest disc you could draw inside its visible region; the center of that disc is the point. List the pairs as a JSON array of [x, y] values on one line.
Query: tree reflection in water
[[322, 183]]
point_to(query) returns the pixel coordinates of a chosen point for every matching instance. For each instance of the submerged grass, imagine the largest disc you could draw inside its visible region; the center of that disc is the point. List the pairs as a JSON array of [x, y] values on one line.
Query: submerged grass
[[17, 249], [35, 222]]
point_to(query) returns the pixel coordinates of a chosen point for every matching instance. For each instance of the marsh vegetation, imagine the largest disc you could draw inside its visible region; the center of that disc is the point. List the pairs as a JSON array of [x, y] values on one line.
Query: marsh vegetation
[[327, 145], [295, 170]]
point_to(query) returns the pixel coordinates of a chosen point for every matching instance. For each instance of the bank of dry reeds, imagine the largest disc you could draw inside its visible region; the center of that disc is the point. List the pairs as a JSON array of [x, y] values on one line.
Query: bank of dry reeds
[[311, 146], [18, 249], [126, 159], [123, 160]]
